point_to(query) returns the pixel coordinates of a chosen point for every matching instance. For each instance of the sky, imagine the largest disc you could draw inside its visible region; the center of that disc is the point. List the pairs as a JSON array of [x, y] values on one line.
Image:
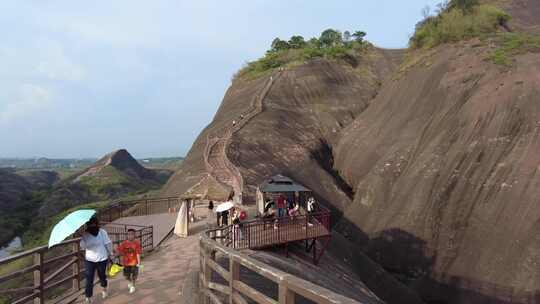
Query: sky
[[83, 78]]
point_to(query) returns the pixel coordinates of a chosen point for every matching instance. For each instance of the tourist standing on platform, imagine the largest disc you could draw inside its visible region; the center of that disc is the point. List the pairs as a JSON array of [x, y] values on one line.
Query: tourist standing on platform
[[210, 214], [98, 250], [310, 209], [293, 211], [237, 231], [225, 218], [281, 205], [130, 250], [218, 218]]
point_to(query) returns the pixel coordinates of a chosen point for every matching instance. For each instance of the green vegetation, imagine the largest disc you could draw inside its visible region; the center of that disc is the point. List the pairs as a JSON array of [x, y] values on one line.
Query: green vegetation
[[459, 20], [40, 229], [109, 181], [331, 44], [37, 235], [464, 19], [20, 217], [511, 44]]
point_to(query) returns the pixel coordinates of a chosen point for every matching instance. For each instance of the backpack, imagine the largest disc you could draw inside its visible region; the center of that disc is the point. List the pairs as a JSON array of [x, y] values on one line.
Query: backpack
[[243, 215]]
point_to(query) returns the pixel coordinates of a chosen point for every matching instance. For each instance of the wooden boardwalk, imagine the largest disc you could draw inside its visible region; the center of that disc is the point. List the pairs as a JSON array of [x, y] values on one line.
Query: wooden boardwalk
[[265, 234], [312, 229], [163, 224], [164, 273]]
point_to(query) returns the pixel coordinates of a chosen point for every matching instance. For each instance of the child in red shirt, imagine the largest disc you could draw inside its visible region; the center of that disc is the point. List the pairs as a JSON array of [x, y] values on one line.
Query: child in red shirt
[[130, 251]]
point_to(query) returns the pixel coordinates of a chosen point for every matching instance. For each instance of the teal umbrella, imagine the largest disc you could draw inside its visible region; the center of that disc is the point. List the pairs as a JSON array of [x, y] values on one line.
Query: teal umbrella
[[69, 225]]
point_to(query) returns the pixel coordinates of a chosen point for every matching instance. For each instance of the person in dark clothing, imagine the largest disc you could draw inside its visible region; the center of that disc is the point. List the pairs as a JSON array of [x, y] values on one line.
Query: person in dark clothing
[[218, 217], [210, 213], [225, 218], [281, 205]]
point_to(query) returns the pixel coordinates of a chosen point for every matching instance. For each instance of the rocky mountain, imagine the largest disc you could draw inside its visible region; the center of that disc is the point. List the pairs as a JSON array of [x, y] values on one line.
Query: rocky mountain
[[428, 156], [291, 117], [445, 170], [114, 175]]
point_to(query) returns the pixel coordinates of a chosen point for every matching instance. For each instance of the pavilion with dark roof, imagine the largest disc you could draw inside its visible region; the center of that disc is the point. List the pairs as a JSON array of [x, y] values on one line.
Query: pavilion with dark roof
[[279, 184]]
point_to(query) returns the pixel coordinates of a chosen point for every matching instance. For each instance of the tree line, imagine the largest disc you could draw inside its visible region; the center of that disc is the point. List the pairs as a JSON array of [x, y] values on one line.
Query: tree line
[[328, 39]]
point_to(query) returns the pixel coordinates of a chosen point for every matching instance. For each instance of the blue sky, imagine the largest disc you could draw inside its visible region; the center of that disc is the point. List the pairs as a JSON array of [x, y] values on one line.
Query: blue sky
[[82, 78]]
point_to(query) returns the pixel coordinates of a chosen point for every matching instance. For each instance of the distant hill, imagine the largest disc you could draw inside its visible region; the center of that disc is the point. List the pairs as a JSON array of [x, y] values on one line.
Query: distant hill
[[46, 163], [114, 175], [67, 167], [40, 179], [17, 198], [169, 163]]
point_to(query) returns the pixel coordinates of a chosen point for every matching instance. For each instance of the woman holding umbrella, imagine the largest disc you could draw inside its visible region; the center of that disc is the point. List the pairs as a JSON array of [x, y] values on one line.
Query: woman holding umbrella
[[97, 251]]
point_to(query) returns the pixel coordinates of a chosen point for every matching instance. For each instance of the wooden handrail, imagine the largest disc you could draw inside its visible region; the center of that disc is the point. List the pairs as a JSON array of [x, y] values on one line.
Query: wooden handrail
[[64, 266], [29, 252], [288, 285]]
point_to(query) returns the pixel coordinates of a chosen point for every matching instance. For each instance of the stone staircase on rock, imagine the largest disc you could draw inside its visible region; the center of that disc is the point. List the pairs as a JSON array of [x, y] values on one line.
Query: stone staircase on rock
[[215, 156]]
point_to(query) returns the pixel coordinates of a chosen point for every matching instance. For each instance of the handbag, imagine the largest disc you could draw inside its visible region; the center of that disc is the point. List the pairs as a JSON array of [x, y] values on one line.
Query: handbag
[[114, 268]]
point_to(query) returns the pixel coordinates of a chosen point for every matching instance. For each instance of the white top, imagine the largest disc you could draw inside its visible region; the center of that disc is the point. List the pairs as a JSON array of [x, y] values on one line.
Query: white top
[[310, 205], [97, 248]]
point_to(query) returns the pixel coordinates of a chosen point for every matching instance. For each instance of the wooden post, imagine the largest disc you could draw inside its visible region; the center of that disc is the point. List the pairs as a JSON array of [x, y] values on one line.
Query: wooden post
[[307, 224], [38, 277], [286, 296], [234, 269], [207, 274], [76, 283], [314, 250]]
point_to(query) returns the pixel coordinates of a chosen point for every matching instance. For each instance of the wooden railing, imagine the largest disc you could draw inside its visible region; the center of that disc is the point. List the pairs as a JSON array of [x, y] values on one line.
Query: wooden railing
[[138, 207], [54, 273], [235, 290], [118, 233], [42, 269], [262, 233]]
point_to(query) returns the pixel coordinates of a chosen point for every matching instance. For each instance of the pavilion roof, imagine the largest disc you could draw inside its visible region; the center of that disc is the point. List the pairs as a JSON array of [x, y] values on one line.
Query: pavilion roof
[[280, 183]]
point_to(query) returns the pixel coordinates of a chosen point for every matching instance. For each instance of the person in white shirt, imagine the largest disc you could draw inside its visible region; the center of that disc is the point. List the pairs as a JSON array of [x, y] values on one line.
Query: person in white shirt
[[310, 210], [98, 250]]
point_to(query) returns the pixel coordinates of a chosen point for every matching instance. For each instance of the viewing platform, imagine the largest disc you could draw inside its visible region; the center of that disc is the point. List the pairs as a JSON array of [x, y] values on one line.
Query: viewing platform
[[56, 275]]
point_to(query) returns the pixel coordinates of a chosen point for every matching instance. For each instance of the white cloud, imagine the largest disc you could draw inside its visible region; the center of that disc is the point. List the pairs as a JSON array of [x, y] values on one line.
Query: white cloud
[[31, 100], [54, 64]]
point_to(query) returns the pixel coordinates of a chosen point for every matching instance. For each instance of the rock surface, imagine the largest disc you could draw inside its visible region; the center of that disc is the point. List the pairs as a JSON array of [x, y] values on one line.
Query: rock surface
[[432, 169], [445, 167], [301, 116]]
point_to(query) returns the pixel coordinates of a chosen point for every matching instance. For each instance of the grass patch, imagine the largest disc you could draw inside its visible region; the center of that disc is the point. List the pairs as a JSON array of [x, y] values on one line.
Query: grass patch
[[109, 181], [512, 44], [454, 24]]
